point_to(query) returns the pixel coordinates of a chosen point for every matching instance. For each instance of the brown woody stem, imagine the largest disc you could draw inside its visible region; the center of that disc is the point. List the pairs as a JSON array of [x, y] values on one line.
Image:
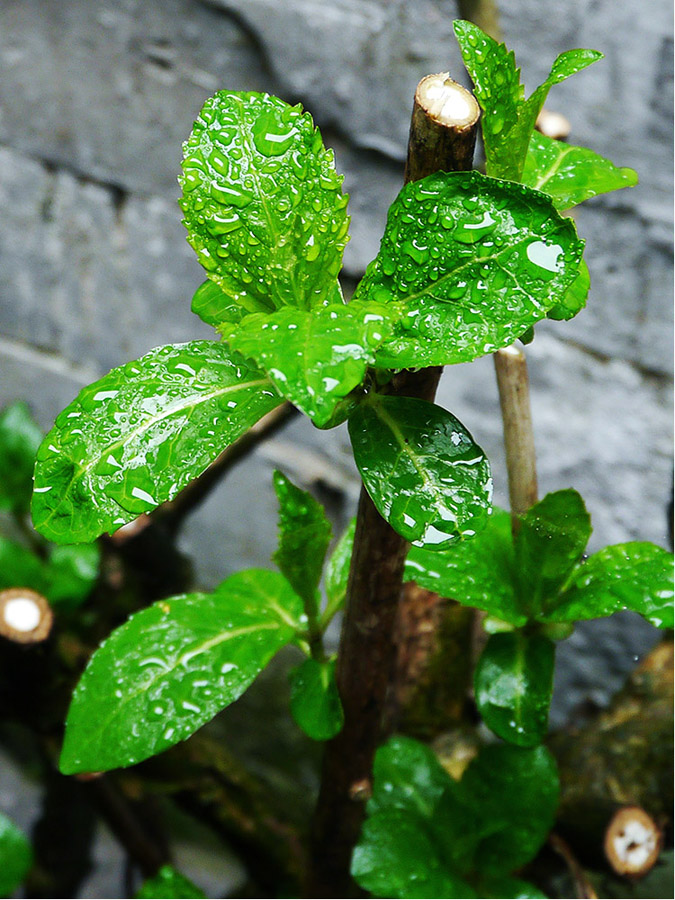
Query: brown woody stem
[[367, 649]]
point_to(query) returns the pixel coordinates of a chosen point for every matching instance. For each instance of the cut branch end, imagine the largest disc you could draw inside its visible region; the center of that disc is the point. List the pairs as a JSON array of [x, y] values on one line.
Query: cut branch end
[[633, 842], [25, 616]]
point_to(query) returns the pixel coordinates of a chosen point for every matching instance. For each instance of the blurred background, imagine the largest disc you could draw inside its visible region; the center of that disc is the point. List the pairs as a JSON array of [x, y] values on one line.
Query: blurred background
[[95, 101]]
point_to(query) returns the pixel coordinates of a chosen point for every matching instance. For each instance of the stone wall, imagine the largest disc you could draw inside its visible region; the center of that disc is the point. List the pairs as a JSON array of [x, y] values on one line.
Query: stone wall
[[95, 100]]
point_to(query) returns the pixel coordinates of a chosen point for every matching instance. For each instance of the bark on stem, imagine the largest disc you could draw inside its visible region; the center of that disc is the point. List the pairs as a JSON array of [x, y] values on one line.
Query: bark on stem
[[442, 137]]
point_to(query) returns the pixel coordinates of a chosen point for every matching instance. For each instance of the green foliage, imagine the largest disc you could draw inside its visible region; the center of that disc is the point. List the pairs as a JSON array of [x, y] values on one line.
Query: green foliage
[[134, 438], [513, 684], [171, 667], [574, 300], [315, 702], [472, 262], [337, 567], [65, 577], [168, 883], [422, 469], [428, 835], [570, 175], [509, 118], [20, 437], [263, 204], [16, 856]]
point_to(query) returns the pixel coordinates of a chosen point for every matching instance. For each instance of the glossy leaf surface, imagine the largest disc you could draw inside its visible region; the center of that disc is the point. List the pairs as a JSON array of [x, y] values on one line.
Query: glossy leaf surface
[[636, 576], [20, 437], [508, 118], [214, 306], [422, 469], [337, 567], [137, 436], [171, 667], [16, 856], [574, 299], [315, 702], [570, 175], [304, 535], [471, 263], [551, 540], [478, 573], [263, 203], [513, 683], [169, 883], [315, 358]]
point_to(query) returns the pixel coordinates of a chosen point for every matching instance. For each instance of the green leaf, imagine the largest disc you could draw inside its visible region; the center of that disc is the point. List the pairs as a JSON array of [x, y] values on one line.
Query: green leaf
[[16, 856], [422, 469], [19, 567], [137, 436], [478, 573], [71, 573], [407, 776], [508, 887], [514, 791], [214, 306], [551, 540], [636, 576], [169, 883], [20, 437], [513, 683], [471, 263], [508, 119], [171, 667], [575, 298], [315, 358], [315, 702], [263, 203], [304, 535], [570, 175], [338, 565]]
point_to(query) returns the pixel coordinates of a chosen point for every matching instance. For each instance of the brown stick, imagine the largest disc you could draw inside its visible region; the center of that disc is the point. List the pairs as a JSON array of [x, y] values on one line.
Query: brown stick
[[367, 650], [483, 13], [514, 398]]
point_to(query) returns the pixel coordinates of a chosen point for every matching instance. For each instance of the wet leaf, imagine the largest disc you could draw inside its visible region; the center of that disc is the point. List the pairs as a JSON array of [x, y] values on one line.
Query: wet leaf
[[636, 576], [337, 567], [171, 667], [137, 436], [575, 297], [315, 702], [471, 263], [72, 572], [570, 175], [508, 118], [214, 306], [478, 573], [422, 469], [16, 856], [304, 535], [20, 437], [263, 203], [315, 358], [407, 776], [168, 882], [551, 540], [513, 683]]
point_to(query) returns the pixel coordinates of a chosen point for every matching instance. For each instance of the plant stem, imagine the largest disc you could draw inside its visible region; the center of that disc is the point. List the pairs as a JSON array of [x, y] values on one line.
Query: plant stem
[[442, 137], [514, 398], [483, 13]]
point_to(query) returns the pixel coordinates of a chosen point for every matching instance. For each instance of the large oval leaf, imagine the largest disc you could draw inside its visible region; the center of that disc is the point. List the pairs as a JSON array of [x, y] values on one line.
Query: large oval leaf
[[171, 667], [422, 469], [263, 203], [474, 263], [133, 439]]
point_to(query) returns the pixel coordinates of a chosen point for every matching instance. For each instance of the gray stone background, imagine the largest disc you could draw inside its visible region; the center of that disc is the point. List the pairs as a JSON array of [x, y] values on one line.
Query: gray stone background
[[95, 100]]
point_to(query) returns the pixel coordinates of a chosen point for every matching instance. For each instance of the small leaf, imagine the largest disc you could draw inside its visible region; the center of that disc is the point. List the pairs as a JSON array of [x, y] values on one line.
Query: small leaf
[[422, 469], [315, 702], [470, 263], [338, 565], [636, 576], [513, 683], [263, 203], [315, 358], [478, 573], [71, 573], [137, 436], [19, 567], [408, 776], [515, 793], [16, 856], [575, 297], [168, 883], [570, 175], [304, 535], [171, 667], [551, 540], [214, 306], [20, 437]]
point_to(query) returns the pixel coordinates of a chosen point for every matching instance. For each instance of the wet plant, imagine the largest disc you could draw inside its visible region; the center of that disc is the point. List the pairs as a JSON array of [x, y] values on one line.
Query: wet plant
[[468, 264]]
